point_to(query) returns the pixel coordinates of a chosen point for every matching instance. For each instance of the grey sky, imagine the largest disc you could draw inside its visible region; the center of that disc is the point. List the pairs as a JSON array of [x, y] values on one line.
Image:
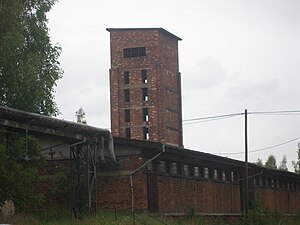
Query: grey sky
[[234, 55]]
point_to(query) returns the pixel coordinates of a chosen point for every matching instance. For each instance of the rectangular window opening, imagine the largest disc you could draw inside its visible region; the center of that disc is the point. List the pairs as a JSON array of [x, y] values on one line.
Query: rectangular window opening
[[126, 95], [146, 133], [145, 96], [186, 170], [144, 77], [134, 52], [206, 172], [128, 132], [162, 167], [196, 171], [145, 115], [127, 115], [126, 77], [174, 168]]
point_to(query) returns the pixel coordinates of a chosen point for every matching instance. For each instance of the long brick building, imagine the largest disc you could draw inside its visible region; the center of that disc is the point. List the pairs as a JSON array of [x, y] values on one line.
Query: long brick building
[[145, 166]]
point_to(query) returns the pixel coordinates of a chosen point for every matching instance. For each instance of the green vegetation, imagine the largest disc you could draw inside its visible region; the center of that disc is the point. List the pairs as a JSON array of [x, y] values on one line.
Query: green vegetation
[[258, 216]]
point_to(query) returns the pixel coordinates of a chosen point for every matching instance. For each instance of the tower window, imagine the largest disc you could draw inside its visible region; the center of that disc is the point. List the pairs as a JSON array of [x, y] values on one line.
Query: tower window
[[145, 94], [127, 115], [146, 133], [144, 76], [134, 52], [126, 95], [126, 77], [145, 114], [127, 132]]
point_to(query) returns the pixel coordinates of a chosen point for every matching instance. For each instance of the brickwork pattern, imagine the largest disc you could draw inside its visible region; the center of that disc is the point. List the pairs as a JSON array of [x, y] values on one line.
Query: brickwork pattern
[[163, 84]]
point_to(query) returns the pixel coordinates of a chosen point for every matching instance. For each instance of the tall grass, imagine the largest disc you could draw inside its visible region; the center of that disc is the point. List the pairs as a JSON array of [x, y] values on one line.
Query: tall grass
[[258, 216]]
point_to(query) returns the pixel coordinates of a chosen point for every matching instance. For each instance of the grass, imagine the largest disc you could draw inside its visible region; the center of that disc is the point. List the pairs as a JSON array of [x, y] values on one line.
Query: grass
[[63, 217]]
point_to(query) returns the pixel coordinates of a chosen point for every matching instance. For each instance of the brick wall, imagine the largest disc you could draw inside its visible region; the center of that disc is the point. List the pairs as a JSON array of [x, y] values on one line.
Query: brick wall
[[179, 194], [284, 201]]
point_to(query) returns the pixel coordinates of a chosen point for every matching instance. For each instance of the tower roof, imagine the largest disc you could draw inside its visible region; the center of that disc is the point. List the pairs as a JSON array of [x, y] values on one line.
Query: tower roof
[[141, 29]]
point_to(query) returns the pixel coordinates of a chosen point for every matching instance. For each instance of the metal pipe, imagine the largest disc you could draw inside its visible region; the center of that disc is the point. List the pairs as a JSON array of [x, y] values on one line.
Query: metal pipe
[[111, 150], [136, 170]]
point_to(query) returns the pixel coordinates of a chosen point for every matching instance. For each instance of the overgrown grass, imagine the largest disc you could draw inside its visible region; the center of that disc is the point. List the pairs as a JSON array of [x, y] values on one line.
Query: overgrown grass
[[258, 216]]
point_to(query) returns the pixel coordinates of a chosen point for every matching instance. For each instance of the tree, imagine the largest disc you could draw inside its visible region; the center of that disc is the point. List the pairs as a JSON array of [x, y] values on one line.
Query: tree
[[19, 165], [271, 162], [296, 164], [259, 162], [29, 69], [80, 116], [283, 163], [29, 66]]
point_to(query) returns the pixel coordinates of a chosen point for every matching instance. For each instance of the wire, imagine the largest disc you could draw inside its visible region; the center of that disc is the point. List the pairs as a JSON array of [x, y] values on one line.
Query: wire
[[282, 112], [262, 149], [214, 117], [208, 120]]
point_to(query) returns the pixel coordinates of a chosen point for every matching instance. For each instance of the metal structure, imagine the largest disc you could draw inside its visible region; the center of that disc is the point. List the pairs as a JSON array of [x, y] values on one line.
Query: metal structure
[[83, 178]]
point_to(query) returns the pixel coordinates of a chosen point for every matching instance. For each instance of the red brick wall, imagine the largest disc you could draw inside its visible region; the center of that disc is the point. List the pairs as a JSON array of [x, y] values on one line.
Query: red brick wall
[[115, 192], [161, 63], [179, 194], [284, 201]]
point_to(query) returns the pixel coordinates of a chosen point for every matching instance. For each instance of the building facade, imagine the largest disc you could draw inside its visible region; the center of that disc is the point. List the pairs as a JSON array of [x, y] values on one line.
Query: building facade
[[145, 85]]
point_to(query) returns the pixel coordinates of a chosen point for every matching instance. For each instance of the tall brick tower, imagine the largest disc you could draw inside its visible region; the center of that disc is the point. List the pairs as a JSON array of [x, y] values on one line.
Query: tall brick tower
[[145, 85]]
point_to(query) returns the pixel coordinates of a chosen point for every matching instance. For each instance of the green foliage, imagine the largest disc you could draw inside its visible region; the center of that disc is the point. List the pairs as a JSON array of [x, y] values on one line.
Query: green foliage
[[62, 186], [29, 66], [80, 116], [296, 164], [259, 162], [17, 175], [271, 162], [283, 163]]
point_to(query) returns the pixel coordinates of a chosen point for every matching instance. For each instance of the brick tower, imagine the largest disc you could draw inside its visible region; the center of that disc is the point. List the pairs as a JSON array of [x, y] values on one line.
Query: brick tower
[[145, 85]]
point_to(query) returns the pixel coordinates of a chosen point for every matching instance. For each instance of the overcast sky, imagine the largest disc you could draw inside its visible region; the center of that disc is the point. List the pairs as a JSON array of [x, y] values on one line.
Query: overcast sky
[[235, 55]]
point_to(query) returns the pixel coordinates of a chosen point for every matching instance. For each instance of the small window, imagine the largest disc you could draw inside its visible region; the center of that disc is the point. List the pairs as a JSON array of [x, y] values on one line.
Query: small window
[[144, 76], [150, 166], [128, 132], [126, 77], [186, 170], [146, 133], [127, 115], [206, 172], [223, 176], [145, 115], [134, 52], [174, 168], [232, 176], [162, 166], [126, 95], [196, 171], [127, 52], [145, 96], [215, 174]]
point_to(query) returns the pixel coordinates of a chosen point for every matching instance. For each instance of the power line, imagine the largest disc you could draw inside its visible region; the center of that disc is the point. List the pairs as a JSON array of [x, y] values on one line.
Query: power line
[[226, 116], [263, 149]]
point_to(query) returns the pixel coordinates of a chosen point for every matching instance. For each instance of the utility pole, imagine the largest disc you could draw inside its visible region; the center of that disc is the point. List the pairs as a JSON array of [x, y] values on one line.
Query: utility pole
[[246, 165]]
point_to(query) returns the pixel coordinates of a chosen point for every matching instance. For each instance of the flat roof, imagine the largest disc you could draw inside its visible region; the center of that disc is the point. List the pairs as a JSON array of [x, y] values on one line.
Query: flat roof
[[142, 29]]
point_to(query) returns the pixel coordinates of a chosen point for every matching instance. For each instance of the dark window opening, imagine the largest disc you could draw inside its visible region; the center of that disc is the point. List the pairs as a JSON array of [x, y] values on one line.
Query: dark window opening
[[134, 52], [126, 77], [146, 133], [145, 94], [144, 76], [127, 132], [126, 95], [127, 115], [145, 114]]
